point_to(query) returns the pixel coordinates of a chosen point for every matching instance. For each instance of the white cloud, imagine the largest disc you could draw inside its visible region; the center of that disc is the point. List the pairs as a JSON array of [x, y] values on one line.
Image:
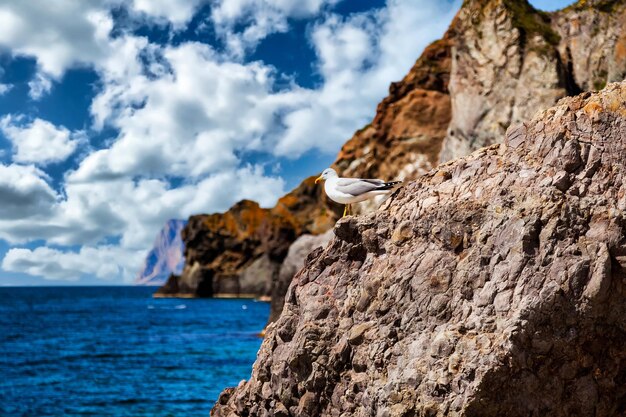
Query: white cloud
[[39, 142], [39, 86], [25, 194], [105, 262], [189, 121], [243, 23], [59, 37], [5, 88], [132, 211], [176, 12], [76, 33]]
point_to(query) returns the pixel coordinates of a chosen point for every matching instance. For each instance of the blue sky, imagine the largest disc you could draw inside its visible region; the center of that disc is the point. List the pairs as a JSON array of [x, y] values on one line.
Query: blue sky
[[118, 115]]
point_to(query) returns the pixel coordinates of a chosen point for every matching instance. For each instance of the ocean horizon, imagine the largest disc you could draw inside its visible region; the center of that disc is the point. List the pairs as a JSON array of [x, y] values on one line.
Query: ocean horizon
[[116, 351]]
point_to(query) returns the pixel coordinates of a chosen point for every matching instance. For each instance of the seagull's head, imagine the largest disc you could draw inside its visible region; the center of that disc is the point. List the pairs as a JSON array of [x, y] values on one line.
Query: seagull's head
[[328, 173]]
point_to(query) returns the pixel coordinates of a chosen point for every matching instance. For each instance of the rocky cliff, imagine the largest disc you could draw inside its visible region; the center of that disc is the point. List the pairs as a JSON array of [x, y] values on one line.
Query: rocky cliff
[[494, 285], [510, 60], [239, 253], [499, 62], [165, 257]]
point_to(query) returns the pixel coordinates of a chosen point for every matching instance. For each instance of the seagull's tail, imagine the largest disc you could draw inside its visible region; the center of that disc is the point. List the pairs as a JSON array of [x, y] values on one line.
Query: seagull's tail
[[389, 185]]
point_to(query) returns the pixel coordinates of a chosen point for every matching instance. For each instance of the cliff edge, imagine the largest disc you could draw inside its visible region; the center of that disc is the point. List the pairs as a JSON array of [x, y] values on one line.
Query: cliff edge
[[494, 285]]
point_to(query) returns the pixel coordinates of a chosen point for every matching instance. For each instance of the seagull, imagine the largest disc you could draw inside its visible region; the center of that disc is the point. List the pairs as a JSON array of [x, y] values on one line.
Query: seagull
[[352, 190]]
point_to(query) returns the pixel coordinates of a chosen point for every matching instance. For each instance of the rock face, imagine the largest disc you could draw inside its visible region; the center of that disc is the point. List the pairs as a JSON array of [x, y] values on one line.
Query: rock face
[[404, 139], [165, 257], [294, 261], [494, 285], [510, 60]]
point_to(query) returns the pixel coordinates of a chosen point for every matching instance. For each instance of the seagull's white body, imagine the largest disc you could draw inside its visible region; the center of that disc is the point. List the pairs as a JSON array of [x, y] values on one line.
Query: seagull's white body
[[353, 190], [333, 192]]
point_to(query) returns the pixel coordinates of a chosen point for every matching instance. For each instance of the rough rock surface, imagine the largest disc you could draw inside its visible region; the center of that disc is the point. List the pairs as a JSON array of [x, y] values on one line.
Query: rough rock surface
[[404, 139], [510, 60], [293, 263], [165, 257], [495, 285]]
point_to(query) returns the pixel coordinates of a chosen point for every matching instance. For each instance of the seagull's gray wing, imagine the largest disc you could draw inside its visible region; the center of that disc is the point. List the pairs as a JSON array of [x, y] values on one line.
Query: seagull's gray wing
[[358, 186]]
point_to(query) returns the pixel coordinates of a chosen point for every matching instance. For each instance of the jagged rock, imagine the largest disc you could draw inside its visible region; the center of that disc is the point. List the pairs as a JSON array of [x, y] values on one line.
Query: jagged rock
[[511, 60], [501, 294], [404, 139], [294, 261], [165, 257], [593, 42]]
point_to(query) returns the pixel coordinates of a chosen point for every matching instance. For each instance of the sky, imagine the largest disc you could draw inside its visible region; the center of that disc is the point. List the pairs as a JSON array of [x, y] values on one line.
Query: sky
[[117, 115]]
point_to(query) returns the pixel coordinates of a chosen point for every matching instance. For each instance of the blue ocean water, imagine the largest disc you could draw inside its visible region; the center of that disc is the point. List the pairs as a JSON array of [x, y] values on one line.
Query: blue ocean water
[[115, 351]]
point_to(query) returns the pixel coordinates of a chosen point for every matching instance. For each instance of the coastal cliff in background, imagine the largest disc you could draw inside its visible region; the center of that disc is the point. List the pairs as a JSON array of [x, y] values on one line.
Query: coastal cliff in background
[[499, 63], [165, 257], [492, 286], [239, 253]]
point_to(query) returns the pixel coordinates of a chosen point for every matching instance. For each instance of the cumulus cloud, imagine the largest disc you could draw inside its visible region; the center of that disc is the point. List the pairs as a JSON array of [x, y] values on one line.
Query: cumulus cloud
[[39, 86], [243, 23], [105, 262], [76, 33], [58, 37], [131, 211], [189, 121], [39, 142], [178, 13], [25, 193]]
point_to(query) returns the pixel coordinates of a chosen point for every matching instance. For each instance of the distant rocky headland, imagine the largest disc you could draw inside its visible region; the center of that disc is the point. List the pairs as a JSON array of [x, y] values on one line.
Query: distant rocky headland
[[166, 256]]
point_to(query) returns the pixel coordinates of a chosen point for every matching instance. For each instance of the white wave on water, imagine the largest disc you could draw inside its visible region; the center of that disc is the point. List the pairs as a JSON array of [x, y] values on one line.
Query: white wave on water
[[176, 307]]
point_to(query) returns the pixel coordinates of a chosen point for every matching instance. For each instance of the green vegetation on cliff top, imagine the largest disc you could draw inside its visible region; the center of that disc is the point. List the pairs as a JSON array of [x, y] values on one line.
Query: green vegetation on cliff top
[[528, 20], [532, 21]]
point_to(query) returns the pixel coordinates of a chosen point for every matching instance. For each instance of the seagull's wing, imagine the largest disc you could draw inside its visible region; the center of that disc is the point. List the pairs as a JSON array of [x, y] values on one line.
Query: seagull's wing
[[358, 186]]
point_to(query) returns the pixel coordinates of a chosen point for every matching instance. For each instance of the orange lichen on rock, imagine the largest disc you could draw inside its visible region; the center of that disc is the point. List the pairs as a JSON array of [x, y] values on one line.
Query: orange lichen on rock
[[242, 220], [592, 109]]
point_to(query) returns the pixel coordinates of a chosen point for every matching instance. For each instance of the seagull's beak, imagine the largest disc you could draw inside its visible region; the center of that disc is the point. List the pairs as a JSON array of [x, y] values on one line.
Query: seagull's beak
[[318, 179]]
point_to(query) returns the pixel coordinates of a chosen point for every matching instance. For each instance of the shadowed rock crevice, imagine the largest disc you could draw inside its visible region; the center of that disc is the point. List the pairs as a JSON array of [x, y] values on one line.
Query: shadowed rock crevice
[[493, 285]]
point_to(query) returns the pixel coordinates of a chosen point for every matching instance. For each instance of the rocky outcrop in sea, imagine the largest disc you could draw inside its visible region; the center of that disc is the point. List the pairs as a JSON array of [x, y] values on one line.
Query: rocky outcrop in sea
[[239, 253], [494, 285]]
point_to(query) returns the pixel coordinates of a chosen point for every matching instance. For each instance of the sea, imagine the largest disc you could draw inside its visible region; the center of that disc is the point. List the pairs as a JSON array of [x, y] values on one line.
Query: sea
[[116, 351]]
